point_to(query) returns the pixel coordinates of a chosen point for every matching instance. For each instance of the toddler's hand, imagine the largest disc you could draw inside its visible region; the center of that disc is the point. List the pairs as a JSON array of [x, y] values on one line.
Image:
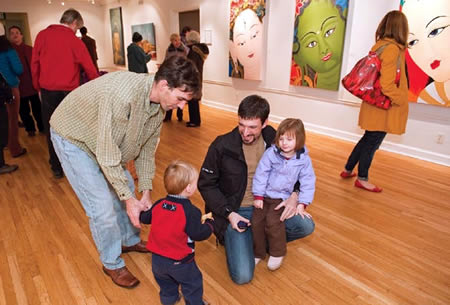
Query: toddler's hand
[[258, 204], [207, 216]]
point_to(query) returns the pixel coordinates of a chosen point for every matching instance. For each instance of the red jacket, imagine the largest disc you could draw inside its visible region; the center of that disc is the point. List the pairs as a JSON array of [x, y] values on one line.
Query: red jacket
[[176, 224], [57, 58]]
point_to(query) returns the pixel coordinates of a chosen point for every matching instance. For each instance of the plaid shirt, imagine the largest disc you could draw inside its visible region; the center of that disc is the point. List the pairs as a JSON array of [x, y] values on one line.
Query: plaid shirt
[[113, 120]]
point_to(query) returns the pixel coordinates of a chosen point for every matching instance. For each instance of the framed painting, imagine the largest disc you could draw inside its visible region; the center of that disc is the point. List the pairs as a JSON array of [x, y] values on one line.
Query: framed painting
[[246, 38], [318, 43], [115, 15], [427, 56]]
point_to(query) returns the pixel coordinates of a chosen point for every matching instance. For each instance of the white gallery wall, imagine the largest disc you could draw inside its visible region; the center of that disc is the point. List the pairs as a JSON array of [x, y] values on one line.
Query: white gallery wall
[[41, 15], [334, 113]]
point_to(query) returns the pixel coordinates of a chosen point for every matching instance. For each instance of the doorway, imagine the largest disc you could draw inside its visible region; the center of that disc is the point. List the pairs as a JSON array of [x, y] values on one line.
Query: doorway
[[190, 19]]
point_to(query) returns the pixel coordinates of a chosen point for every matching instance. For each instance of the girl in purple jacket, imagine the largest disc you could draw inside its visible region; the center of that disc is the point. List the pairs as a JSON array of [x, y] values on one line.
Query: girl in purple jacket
[[282, 165]]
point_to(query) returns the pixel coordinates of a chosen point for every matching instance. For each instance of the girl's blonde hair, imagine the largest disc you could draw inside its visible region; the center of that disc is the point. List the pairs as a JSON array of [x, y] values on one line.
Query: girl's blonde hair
[[292, 127], [178, 175]]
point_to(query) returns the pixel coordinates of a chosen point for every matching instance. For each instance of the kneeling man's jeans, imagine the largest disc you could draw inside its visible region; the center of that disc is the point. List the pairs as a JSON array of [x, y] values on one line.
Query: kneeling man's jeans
[[239, 246], [110, 226]]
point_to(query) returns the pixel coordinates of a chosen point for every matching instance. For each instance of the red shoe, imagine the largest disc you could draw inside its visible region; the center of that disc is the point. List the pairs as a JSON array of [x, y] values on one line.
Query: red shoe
[[376, 189], [345, 175]]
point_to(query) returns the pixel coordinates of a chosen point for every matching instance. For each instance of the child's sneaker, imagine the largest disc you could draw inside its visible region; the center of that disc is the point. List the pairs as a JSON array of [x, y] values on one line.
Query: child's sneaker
[[257, 260], [274, 262]]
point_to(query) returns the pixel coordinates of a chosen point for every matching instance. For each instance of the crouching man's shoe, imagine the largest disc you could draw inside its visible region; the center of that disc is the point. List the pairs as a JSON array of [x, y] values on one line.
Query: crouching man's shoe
[[122, 277], [139, 247]]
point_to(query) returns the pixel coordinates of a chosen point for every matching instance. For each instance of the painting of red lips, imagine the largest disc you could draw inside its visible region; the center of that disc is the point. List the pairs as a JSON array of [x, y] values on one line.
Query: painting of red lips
[[435, 64]]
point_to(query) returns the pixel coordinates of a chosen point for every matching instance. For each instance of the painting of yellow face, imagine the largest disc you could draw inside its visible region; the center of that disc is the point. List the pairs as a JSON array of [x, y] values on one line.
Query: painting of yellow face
[[247, 44], [429, 38]]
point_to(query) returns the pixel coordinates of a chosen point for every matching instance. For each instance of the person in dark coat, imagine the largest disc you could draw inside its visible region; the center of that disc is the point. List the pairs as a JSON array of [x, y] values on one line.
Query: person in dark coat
[[28, 95], [137, 58], [198, 52], [90, 45]]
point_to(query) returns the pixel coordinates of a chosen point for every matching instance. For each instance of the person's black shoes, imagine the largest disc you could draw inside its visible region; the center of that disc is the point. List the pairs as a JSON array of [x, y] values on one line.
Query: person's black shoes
[[58, 174], [189, 124]]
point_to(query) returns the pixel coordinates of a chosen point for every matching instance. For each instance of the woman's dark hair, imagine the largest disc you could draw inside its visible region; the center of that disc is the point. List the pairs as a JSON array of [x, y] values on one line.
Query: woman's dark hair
[[137, 37], [395, 26], [180, 73], [83, 30], [5, 45], [185, 30], [254, 107]]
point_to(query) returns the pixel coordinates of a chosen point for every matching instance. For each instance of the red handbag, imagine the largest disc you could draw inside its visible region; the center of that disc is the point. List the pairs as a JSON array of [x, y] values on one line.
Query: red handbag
[[363, 81]]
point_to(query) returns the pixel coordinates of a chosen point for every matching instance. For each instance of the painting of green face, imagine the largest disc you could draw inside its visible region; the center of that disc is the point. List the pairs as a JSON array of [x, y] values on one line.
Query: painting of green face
[[320, 39]]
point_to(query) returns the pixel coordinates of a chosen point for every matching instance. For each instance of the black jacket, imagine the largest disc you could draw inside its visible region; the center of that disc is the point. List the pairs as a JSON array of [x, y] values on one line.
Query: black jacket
[[198, 53], [223, 177], [137, 59]]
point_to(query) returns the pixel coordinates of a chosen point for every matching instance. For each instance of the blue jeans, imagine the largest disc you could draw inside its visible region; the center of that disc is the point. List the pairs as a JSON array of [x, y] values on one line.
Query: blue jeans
[[108, 220], [169, 275], [363, 153], [239, 246]]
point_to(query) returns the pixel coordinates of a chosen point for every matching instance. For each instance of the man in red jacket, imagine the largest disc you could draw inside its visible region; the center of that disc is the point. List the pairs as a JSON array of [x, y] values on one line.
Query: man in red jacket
[[57, 58]]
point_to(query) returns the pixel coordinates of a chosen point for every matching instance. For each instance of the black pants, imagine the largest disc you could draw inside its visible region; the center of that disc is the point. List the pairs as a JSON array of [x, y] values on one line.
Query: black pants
[[194, 112], [25, 115], [169, 115], [363, 153], [50, 101], [170, 275], [3, 131]]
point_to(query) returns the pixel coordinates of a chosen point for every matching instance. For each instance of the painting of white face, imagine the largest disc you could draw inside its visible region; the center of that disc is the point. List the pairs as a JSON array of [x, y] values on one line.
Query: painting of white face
[[429, 38], [247, 43]]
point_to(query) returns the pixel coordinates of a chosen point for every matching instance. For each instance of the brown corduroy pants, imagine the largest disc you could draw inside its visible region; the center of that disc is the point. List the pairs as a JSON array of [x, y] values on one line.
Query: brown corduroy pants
[[266, 225], [13, 121]]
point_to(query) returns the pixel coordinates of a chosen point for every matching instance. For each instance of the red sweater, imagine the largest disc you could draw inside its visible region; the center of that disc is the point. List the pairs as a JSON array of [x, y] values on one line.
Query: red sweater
[[25, 86], [57, 58]]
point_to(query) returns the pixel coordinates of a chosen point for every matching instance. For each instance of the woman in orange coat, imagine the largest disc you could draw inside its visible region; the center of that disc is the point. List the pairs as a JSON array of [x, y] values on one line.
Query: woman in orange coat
[[393, 32]]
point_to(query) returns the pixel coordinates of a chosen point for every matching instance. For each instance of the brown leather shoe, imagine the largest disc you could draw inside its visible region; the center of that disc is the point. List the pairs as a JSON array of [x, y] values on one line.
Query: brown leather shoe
[[139, 247], [122, 277]]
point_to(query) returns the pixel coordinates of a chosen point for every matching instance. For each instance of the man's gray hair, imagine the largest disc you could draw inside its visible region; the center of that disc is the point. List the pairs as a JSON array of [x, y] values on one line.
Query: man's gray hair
[[70, 16]]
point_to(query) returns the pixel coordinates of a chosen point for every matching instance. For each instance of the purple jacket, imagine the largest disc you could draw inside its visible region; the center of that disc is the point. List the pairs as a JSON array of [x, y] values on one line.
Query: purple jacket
[[276, 176]]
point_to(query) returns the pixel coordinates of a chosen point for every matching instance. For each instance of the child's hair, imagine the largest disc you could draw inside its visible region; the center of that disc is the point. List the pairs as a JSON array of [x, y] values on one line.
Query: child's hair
[[178, 175], [292, 127]]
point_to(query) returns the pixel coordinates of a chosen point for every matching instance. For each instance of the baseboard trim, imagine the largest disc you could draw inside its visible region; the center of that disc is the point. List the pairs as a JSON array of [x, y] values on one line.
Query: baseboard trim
[[352, 137]]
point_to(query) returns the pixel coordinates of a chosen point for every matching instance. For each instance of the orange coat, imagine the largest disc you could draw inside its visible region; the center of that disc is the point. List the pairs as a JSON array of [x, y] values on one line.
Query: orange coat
[[394, 119]]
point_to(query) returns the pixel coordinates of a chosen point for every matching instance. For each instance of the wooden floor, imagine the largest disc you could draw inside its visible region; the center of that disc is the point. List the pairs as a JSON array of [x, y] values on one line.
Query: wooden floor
[[388, 248]]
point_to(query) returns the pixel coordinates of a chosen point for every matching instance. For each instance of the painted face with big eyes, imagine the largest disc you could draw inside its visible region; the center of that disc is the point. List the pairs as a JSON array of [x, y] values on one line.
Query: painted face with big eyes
[[247, 43], [429, 38], [321, 36]]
